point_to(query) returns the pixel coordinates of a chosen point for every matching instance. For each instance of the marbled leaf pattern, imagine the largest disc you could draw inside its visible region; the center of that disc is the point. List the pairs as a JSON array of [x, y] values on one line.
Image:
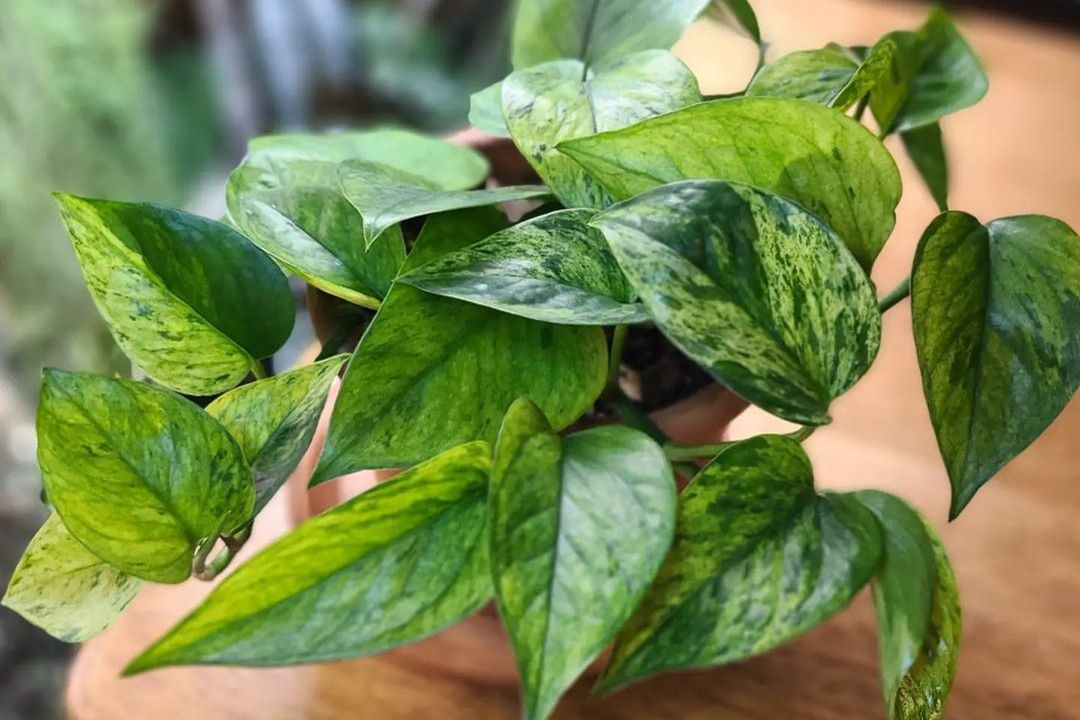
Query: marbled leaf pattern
[[392, 565], [555, 268], [752, 287], [829, 76], [816, 156], [579, 527], [758, 559], [65, 589], [139, 475], [995, 310]]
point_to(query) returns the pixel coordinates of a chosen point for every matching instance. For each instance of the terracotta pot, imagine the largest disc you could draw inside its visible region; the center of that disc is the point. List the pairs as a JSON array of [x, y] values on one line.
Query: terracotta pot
[[477, 648]]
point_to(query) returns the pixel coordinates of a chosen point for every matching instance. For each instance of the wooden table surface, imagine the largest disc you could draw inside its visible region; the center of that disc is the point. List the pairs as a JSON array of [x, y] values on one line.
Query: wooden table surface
[[1015, 549]]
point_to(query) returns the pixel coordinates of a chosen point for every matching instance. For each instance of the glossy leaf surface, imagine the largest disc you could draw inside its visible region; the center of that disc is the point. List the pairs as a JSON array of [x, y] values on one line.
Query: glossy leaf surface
[[556, 268], [189, 300], [918, 611], [563, 99], [816, 156], [752, 287], [926, 149], [995, 311], [139, 475], [273, 421], [65, 589], [394, 564], [579, 528], [829, 76], [758, 559]]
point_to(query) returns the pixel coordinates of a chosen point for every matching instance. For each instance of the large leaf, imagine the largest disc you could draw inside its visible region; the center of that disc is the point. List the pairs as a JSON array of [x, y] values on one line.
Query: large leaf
[[139, 475], [432, 372], [556, 268], [385, 195], [935, 73], [758, 559], [190, 300], [65, 589], [918, 610], [564, 99], [995, 310], [485, 111], [752, 287], [579, 528], [927, 150], [273, 421], [816, 156], [597, 32], [392, 565]]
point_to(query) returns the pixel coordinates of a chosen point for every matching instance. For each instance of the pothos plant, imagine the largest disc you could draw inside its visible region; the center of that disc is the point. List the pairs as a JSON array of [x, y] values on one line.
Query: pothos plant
[[742, 228]]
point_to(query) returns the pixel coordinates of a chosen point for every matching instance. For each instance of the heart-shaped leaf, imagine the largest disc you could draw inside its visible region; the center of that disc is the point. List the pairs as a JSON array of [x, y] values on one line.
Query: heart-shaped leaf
[[926, 149], [598, 32], [918, 610], [752, 287], [556, 268], [190, 300], [432, 372], [758, 559], [995, 309], [565, 99], [485, 111], [816, 156], [394, 564], [65, 589], [274, 420], [579, 528], [386, 196], [139, 475]]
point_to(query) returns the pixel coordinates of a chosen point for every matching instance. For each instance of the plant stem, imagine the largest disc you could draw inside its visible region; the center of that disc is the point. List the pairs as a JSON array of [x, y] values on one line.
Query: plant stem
[[258, 370], [680, 453], [618, 341], [895, 295], [861, 107], [208, 571]]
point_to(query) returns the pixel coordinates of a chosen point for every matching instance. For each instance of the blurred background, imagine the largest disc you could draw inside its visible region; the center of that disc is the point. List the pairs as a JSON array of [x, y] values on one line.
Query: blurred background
[[155, 100]]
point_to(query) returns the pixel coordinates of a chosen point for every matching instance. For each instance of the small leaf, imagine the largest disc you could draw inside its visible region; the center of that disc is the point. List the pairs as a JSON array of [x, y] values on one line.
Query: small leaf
[[273, 421], [190, 300], [433, 372], [816, 156], [995, 309], [758, 559], [66, 590], [579, 528], [564, 99], [598, 32], [926, 149], [740, 14], [393, 565], [485, 111], [139, 475], [555, 268], [386, 196], [753, 288], [918, 610]]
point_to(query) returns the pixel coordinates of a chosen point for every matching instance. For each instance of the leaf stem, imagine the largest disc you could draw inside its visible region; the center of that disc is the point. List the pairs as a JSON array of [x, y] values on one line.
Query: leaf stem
[[861, 107], [895, 295], [618, 341], [208, 571], [681, 453], [258, 370]]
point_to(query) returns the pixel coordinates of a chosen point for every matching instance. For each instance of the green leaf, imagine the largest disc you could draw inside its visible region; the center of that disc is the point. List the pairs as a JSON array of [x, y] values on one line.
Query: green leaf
[[485, 111], [555, 268], [562, 100], [386, 196], [579, 528], [394, 564], [816, 156], [190, 300], [66, 590], [935, 73], [597, 32], [293, 209], [926, 149], [139, 475], [432, 372], [829, 76], [753, 288], [448, 232], [758, 559], [740, 14], [995, 310], [273, 421], [918, 610]]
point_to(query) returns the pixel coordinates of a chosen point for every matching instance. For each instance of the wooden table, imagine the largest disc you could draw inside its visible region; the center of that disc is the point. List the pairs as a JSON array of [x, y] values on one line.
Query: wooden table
[[1016, 548]]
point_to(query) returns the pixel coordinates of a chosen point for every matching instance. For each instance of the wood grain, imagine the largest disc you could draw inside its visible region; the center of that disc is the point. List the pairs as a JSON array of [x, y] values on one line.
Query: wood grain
[[1015, 549]]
